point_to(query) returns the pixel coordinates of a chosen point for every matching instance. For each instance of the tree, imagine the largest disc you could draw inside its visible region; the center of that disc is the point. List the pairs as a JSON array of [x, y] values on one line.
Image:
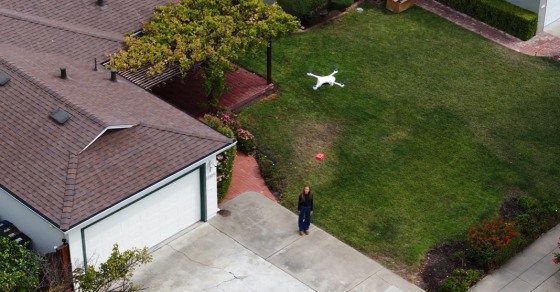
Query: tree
[[113, 275], [212, 33], [19, 267]]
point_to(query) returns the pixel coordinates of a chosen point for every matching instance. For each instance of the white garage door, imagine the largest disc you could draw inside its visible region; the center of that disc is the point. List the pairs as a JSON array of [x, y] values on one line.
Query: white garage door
[[552, 11], [147, 221]]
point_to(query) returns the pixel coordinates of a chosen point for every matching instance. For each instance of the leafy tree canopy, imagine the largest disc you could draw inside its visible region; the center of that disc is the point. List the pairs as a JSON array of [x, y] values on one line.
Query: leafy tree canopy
[[213, 33]]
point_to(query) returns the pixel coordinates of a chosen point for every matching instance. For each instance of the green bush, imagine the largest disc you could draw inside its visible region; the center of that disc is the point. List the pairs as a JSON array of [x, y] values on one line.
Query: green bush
[[459, 257], [245, 141], [270, 173], [340, 4], [538, 218], [461, 280], [19, 267], [115, 274], [500, 14], [527, 203], [225, 159], [305, 10]]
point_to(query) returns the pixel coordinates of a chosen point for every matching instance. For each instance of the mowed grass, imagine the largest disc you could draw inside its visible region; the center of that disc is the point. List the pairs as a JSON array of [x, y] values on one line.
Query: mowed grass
[[434, 128]]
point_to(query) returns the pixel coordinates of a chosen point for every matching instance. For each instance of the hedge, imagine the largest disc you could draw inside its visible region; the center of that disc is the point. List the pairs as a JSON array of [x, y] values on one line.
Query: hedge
[[500, 14], [304, 10], [340, 4]]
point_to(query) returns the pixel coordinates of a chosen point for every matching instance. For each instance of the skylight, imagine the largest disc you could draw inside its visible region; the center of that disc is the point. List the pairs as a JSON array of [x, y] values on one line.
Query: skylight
[[4, 78], [60, 116]]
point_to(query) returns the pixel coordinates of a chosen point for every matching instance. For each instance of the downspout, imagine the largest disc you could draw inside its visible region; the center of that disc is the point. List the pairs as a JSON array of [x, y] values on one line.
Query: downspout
[[541, 15]]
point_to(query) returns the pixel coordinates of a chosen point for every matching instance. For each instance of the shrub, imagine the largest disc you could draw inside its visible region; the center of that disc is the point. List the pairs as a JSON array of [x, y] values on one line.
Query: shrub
[[19, 267], [225, 159], [271, 174], [492, 242], [303, 9], [461, 280], [340, 4], [527, 203], [115, 274], [500, 14], [229, 119], [538, 218], [245, 141], [458, 257]]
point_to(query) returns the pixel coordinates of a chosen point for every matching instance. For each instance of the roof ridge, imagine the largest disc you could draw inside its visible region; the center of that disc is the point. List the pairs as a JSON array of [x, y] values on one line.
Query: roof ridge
[[229, 140], [77, 28], [28, 77], [69, 192]]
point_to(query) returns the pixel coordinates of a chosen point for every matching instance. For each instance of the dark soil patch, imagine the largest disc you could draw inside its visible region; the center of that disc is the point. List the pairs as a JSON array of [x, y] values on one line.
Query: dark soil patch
[[440, 262], [224, 212], [510, 209]]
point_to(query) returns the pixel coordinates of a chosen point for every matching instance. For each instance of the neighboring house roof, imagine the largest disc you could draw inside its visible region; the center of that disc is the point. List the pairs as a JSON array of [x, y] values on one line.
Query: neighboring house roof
[[70, 172], [118, 16]]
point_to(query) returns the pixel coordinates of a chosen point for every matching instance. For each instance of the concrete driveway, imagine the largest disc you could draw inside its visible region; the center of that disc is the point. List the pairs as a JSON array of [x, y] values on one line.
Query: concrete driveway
[[257, 248]]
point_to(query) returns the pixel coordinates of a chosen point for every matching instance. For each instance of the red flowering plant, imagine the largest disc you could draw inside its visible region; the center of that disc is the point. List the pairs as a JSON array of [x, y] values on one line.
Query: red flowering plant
[[556, 258], [492, 242]]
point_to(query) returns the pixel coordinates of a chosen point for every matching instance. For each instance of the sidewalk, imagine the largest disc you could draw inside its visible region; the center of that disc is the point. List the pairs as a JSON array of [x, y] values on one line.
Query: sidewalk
[[530, 270]]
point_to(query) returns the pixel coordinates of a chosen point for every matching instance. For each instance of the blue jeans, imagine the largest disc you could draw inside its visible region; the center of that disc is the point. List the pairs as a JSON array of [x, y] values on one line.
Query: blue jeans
[[304, 219]]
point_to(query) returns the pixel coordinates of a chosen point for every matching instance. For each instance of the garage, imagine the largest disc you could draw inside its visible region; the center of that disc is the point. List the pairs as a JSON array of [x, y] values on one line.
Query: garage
[[146, 221], [552, 11]]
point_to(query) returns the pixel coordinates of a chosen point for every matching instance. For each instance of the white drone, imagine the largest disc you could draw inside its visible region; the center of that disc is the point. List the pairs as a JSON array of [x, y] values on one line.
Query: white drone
[[330, 79]]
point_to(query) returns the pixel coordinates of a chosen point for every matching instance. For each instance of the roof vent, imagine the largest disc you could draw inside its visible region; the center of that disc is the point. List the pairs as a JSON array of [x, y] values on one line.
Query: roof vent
[[100, 3], [60, 116], [114, 75], [4, 78], [63, 73]]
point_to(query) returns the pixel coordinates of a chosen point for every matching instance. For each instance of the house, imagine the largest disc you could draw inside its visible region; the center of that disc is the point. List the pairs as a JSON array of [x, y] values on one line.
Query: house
[[87, 156]]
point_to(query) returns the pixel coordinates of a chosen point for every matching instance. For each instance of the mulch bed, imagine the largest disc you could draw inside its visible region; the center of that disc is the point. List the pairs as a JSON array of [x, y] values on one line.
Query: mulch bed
[[439, 262]]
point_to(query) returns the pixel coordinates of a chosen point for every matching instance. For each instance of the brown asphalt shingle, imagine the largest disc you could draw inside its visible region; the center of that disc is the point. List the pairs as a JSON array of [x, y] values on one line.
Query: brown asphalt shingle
[[40, 38], [121, 16], [45, 164], [34, 150]]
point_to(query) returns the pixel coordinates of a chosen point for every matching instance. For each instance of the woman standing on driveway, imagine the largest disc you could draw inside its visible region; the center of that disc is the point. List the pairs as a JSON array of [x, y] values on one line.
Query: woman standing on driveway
[[305, 210]]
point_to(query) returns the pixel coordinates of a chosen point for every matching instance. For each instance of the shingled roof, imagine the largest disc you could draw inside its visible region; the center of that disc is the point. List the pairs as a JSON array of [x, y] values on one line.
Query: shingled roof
[[69, 172]]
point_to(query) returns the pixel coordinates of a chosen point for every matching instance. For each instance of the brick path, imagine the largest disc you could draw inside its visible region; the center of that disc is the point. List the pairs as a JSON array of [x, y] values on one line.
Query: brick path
[[246, 176]]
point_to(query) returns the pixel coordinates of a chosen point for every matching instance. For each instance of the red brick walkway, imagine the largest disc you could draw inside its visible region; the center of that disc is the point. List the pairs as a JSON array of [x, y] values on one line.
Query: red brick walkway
[[246, 177]]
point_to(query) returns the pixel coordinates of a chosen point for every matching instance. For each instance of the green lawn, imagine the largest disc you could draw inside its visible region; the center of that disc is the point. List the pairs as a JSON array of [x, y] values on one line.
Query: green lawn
[[436, 125]]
